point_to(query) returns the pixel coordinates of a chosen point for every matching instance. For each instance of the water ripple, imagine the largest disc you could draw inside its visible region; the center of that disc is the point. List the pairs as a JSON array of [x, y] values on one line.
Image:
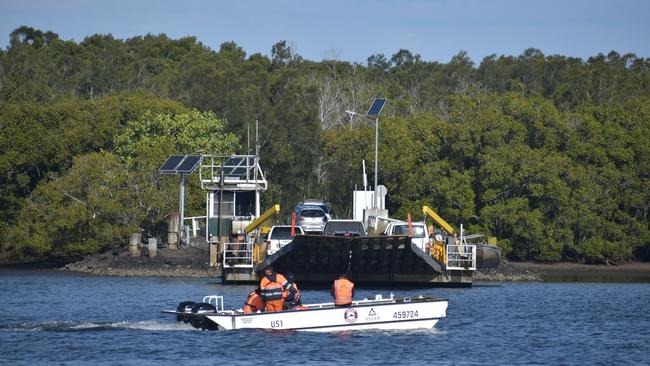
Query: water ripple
[[51, 318]]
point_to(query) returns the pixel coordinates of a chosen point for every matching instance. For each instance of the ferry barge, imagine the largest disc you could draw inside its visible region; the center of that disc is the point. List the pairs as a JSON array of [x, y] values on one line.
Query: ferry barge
[[234, 228]]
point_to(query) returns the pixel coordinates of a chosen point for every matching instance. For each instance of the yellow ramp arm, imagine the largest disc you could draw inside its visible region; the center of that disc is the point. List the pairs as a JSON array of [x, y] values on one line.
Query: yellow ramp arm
[[263, 217], [438, 220]]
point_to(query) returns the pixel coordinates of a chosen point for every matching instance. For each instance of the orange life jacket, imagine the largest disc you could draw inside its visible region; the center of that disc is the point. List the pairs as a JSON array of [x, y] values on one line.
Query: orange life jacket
[[274, 288], [343, 291], [253, 303]]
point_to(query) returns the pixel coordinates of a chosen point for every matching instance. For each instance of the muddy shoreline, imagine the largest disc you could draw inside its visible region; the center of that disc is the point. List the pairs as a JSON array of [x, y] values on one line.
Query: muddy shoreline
[[194, 262], [185, 262]]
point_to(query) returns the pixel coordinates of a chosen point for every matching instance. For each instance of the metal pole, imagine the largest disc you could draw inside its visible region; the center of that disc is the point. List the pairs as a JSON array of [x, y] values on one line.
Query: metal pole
[[220, 214], [376, 200], [181, 209], [255, 166]]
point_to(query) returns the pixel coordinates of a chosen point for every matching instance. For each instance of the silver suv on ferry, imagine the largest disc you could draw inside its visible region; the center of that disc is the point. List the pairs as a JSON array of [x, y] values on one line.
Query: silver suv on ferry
[[311, 219], [324, 205]]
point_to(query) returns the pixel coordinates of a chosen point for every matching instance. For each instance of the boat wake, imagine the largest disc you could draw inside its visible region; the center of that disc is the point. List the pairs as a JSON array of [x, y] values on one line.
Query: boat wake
[[69, 326]]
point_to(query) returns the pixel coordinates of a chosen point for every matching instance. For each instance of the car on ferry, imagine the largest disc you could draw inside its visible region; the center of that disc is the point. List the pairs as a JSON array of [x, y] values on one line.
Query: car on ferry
[[280, 236], [324, 205], [420, 235], [345, 228], [311, 219]]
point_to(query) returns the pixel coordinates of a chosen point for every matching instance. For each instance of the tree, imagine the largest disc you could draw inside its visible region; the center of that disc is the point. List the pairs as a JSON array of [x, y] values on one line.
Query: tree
[[104, 196], [86, 211]]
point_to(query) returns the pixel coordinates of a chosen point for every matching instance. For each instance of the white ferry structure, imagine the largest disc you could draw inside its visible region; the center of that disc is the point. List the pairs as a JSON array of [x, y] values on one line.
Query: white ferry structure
[[378, 313]]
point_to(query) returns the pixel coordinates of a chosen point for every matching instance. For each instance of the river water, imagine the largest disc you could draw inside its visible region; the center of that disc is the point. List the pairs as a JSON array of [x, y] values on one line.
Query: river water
[[60, 318]]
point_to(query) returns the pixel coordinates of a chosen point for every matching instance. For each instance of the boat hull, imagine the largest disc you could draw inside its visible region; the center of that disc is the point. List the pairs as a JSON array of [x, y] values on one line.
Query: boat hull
[[380, 315], [487, 256]]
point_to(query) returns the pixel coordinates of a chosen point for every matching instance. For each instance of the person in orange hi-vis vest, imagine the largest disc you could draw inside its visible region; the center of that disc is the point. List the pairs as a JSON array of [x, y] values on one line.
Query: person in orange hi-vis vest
[[343, 291], [254, 303], [274, 288]]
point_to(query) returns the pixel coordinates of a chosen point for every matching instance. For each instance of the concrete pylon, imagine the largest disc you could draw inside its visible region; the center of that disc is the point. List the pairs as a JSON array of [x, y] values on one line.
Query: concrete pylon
[[172, 230], [152, 247], [214, 254], [134, 244]]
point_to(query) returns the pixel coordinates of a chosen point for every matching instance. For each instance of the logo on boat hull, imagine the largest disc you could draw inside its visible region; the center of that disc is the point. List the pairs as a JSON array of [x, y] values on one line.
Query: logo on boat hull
[[350, 315], [372, 315]]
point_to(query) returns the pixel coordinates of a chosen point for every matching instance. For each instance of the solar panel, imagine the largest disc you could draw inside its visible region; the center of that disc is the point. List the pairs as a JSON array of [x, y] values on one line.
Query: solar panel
[[236, 166], [188, 165], [376, 107], [238, 172], [169, 167], [231, 162]]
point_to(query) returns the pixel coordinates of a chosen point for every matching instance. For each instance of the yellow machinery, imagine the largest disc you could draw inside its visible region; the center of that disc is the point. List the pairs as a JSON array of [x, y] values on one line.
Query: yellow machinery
[[263, 217], [438, 248], [259, 248], [488, 254], [437, 219]]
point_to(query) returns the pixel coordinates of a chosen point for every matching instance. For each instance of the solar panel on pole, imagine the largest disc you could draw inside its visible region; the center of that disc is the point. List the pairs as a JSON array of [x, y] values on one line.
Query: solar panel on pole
[[376, 107], [169, 166], [188, 165]]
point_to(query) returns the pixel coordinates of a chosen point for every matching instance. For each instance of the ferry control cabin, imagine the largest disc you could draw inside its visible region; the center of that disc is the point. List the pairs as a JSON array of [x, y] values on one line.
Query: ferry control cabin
[[233, 185]]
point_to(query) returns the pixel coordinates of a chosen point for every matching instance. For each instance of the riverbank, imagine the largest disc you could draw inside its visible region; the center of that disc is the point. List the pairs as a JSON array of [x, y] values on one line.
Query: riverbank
[[194, 262], [186, 262], [528, 271]]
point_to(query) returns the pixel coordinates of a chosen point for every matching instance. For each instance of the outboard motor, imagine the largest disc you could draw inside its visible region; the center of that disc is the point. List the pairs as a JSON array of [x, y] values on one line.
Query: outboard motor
[[186, 308], [199, 321]]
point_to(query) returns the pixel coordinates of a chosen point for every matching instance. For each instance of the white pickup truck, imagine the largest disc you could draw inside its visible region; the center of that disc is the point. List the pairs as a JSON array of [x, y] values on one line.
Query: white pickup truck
[[420, 233], [280, 236]]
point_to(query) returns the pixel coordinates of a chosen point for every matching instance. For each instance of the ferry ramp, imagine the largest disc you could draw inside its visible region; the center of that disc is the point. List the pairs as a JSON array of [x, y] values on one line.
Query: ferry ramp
[[369, 261]]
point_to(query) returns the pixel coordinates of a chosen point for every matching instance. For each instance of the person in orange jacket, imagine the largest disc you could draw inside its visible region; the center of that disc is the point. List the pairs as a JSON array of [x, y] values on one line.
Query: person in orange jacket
[[274, 288], [343, 291], [254, 303]]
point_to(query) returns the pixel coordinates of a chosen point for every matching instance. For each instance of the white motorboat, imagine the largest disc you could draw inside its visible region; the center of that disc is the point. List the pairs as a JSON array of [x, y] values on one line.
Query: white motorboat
[[378, 313]]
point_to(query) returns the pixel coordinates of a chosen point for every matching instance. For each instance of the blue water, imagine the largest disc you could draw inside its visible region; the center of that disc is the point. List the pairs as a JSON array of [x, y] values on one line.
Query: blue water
[[58, 318]]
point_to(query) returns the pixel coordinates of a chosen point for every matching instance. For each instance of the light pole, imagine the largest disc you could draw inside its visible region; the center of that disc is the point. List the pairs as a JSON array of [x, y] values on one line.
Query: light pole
[[374, 111]]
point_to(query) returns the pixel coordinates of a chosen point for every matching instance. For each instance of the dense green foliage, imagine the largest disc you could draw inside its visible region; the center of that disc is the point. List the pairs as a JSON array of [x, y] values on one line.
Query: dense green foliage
[[548, 153]]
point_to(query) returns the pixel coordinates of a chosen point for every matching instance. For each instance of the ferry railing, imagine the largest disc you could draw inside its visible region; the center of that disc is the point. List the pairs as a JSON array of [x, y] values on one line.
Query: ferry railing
[[236, 169], [238, 255], [461, 257]]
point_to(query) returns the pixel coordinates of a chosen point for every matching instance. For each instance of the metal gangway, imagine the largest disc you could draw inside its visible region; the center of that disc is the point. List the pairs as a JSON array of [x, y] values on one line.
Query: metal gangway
[[461, 257], [238, 255]]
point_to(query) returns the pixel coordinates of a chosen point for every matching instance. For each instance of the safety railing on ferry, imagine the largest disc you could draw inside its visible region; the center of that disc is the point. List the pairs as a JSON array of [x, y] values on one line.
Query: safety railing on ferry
[[461, 257], [238, 255]]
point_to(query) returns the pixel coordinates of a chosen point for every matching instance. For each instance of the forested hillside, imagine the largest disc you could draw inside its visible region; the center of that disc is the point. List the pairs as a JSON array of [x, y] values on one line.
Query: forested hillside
[[549, 153]]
